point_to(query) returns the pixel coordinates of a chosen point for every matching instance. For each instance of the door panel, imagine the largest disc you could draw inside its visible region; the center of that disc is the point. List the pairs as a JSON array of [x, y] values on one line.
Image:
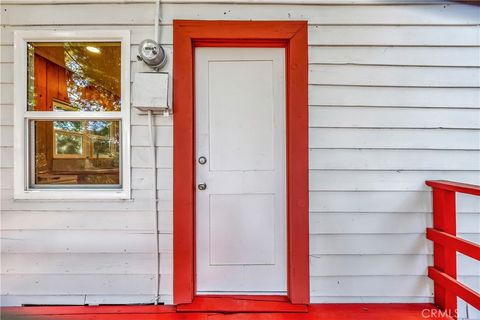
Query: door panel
[[241, 115], [240, 231], [240, 130]]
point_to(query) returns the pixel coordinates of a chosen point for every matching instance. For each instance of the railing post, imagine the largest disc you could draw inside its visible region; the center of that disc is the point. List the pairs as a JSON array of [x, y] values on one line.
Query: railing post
[[445, 259]]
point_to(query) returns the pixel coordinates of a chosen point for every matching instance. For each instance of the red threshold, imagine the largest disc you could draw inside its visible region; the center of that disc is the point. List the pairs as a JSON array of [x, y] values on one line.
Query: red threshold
[[235, 304], [314, 312]]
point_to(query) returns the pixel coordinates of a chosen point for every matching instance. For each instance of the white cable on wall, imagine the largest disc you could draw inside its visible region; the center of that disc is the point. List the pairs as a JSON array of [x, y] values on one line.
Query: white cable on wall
[[157, 18], [151, 131]]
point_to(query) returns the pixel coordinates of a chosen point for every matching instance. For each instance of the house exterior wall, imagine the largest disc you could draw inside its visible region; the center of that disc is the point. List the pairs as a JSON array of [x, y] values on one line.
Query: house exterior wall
[[394, 100]]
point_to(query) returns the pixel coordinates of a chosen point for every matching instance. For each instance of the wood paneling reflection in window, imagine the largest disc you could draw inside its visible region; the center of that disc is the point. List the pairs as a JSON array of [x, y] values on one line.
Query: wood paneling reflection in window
[[79, 78], [77, 152]]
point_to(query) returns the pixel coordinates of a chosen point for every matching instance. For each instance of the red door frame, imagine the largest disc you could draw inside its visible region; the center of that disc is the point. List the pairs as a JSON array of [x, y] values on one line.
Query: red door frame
[[291, 35]]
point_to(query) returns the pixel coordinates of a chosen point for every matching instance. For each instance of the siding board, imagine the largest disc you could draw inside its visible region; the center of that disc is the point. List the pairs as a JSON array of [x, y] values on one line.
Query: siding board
[[84, 263], [142, 179], [141, 157], [394, 76], [6, 53], [79, 220], [394, 97], [380, 299], [82, 241], [382, 201], [369, 244], [6, 115], [6, 93], [6, 159], [394, 35], [6, 69], [443, 139], [377, 286], [18, 300], [113, 263], [371, 159], [81, 299], [140, 201], [381, 223], [384, 117], [6, 136], [163, 136], [42, 284], [340, 180], [396, 56], [6, 178], [142, 13], [373, 265]]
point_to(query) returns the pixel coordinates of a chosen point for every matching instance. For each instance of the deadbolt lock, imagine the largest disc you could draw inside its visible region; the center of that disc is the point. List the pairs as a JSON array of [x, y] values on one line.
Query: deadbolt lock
[[202, 160]]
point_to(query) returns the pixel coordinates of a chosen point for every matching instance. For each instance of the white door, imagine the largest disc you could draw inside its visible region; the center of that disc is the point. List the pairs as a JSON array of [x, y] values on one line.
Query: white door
[[240, 149]]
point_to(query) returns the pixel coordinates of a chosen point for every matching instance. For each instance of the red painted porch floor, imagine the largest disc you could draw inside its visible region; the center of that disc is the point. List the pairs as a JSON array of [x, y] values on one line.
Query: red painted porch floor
[[315, 311]]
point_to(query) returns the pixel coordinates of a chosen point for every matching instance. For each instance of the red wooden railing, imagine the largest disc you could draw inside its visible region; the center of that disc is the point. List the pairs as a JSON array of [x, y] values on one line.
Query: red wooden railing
[[446, 244]]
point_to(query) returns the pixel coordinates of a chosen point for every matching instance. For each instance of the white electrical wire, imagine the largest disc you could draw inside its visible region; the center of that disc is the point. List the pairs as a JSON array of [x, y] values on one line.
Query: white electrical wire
[[154, 170], [157, 18], [155, 203]]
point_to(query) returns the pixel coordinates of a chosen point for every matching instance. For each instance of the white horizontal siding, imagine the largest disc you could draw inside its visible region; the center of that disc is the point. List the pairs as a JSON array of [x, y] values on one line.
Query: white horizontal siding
[[375, 243], [83, 241], [320, 223], [377, 286], [394, 100], [346, 138], [394, 97], [141, 157], [382, 201], [84, 263], [80, 220], [394, 159], [380, 265], [141, 263], [102, 284], [82, 299], [383, 180], [393, 76], [396, 56], [383, 117], [382, 223], [142, 13], [6, 158]]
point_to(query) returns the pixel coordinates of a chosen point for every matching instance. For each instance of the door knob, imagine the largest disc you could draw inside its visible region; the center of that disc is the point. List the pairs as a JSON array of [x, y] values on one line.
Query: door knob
[[202, 186], [202, 160]]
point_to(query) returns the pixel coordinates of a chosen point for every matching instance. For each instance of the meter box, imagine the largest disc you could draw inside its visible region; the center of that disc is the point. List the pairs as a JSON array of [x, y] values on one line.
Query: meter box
[[150, 91]]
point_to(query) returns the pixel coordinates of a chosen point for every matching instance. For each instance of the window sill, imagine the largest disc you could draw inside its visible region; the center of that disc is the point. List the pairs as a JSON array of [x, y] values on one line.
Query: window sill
[[73, 194]]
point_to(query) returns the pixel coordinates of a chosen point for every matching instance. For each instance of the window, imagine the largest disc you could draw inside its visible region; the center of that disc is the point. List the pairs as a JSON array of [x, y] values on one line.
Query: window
[[72, 115]]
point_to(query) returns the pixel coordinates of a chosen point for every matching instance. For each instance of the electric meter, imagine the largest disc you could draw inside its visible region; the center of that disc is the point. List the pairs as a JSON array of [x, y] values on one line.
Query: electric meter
[[152, 54]]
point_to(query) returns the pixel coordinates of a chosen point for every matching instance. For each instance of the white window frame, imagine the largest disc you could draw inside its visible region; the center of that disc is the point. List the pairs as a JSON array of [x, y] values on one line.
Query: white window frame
[[22, 189]]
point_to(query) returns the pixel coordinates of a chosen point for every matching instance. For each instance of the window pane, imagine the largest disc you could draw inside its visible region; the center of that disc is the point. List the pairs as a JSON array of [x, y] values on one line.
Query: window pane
[[75, 152], [74, 76]]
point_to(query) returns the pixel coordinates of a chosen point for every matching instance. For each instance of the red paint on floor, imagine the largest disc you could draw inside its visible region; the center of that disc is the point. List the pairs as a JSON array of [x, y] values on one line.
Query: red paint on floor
[[315, 312]]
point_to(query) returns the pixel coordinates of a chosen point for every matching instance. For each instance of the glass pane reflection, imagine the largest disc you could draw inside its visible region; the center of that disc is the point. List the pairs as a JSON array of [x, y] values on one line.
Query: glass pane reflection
[[76, 152], [74, 76]]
